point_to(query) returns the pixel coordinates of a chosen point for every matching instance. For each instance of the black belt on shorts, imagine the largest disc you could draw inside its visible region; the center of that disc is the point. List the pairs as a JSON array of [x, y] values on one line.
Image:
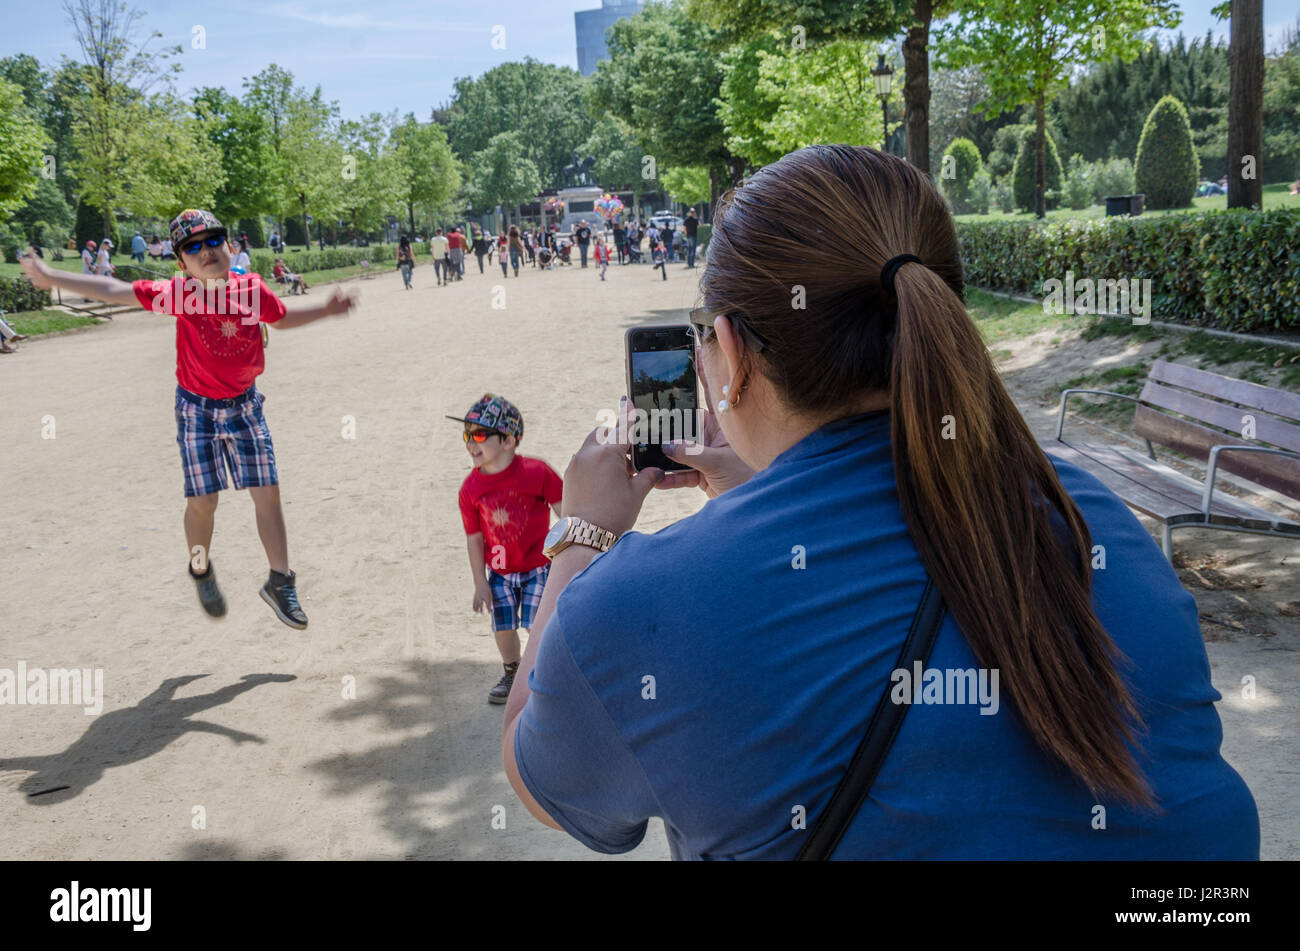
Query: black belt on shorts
[[207, 402]]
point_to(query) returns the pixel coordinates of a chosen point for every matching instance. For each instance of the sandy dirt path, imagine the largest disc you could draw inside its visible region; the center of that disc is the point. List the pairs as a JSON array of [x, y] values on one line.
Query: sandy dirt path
[[242, 723]]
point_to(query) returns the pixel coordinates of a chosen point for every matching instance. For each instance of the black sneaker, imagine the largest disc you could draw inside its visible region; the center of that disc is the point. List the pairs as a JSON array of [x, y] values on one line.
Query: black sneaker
[[281, 594], [501, 692], [210, 596]]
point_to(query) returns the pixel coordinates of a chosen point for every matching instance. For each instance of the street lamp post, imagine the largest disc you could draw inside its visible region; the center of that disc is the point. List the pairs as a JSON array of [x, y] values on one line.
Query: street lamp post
[[883, 76]]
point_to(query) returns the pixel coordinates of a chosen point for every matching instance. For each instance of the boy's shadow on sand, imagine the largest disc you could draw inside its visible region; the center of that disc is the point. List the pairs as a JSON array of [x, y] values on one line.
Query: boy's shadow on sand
[[128, 735]]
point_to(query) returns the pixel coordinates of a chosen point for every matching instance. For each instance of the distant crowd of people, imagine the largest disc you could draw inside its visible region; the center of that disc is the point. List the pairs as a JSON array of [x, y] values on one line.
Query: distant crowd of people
[[547, 248]]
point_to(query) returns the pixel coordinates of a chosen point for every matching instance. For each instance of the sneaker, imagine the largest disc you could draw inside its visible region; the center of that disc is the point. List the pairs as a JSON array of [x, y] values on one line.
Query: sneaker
[[501, 692], [282, 595], [210, 596]]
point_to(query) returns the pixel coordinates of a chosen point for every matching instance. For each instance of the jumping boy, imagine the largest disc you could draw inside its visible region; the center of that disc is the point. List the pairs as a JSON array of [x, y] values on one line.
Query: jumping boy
[[219, 417], [503, 504]]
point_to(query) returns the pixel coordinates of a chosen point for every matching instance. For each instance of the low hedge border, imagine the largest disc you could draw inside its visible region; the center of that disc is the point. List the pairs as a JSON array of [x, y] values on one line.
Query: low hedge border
[[1238, 269], [17, 294]]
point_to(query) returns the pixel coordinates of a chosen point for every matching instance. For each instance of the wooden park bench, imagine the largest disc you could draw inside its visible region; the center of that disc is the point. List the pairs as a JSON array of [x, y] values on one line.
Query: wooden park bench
[[1208, 417]]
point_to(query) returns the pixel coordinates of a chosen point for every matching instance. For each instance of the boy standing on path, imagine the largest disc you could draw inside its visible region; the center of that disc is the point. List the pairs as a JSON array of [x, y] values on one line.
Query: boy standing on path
[[503, 504], [219, 419]]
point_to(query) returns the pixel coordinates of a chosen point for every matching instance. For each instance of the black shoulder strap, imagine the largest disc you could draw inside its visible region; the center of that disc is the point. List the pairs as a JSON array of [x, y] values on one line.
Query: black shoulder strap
[[852, 791]]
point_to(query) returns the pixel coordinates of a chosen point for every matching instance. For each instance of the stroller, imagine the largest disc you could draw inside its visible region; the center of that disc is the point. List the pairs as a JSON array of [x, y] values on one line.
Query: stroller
[[633, 253]]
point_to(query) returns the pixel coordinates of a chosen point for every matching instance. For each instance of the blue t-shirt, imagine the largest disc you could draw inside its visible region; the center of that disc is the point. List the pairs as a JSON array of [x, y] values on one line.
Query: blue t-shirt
[[721, 672]]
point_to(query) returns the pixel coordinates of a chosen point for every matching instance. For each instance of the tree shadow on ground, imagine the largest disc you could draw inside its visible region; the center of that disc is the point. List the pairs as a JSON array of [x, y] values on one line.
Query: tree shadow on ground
[[439, 791], [128, 736]]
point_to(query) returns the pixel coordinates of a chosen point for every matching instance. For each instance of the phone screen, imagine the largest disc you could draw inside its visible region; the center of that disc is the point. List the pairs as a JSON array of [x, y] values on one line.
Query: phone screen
[[664, 391]]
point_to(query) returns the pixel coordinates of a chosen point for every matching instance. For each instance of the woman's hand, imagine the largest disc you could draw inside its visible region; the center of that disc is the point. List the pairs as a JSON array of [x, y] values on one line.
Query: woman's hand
[[600, 485], [715, 467]]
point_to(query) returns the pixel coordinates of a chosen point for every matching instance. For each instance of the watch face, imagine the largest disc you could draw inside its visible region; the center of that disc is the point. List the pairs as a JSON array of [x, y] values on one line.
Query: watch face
[[556, 533]]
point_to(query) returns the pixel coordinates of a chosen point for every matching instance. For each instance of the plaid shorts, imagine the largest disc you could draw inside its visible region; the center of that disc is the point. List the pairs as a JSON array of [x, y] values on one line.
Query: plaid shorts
[[216, 435], [515, 597]]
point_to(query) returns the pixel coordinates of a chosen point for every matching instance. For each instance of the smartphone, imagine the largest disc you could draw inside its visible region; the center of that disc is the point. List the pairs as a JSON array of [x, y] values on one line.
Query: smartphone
[[664, 389]]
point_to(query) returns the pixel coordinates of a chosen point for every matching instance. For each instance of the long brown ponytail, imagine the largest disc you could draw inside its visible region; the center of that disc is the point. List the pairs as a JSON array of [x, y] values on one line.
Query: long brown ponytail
[[977, 492]]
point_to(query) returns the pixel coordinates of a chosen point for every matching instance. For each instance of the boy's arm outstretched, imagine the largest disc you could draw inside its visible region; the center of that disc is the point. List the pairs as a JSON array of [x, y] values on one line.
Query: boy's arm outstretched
[[337, 303], [97, 286]]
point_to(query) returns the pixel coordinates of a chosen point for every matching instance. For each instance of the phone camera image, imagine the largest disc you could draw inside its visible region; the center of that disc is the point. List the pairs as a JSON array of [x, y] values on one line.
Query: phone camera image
[[663, 386]]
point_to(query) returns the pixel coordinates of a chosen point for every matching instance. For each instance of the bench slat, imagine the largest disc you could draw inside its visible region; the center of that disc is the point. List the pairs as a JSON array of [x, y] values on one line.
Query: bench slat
[[1266, 398], [1267, 429], [1275, 472], [1137, 478]]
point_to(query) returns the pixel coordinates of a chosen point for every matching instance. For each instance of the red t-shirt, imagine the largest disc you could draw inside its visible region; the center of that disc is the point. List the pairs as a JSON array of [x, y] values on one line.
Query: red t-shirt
[[218, 340], [455, 240], [511, 509]]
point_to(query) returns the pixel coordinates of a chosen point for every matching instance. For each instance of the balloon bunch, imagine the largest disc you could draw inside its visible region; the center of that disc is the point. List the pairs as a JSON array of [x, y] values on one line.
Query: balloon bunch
[[609, 206]]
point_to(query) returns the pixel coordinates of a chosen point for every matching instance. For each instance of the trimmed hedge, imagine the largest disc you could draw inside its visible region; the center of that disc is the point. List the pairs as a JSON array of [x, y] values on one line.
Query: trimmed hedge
[[17, 294], [1167, 167], [1232, 269], [380, 256], [965, 164], [1024, 177]]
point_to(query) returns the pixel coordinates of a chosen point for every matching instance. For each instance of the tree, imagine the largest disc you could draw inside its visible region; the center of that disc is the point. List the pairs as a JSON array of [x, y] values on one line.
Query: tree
[[781, 100], [1246, 105], [1029, 49], [433, 176], [1102, 113], [688, 184], [21, 148], [540, 101], [618, 158], [1024, 181], [314, 166], [961, 163], [501, 174], [111, 118], [663, 78], [1167, 170], [822, 21], [47, 207], [375, 179], [1281, 117], [240, 136]]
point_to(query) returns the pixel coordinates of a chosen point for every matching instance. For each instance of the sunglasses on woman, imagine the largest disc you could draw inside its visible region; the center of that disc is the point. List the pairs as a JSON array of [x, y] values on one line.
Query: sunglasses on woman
[[702, 321], [481, 435], [212, 241]]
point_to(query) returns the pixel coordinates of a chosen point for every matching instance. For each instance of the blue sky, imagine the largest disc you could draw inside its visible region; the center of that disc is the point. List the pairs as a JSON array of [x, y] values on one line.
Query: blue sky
[[381, 56]]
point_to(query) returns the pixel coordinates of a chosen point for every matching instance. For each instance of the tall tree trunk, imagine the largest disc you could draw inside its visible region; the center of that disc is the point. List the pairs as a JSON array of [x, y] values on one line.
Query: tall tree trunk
[[108, 222], [306, 227], [714, 191], [1040, 156], [410, 213], [916, 88], [1246, 104]]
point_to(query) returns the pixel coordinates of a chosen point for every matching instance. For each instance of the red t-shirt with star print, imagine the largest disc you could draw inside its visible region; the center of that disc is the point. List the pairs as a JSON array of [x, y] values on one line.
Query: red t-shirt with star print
[[218, 340], [512, 510]]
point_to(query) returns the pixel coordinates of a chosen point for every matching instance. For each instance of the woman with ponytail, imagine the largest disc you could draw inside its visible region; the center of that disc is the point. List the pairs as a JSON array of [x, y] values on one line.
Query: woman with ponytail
[[722, 672]]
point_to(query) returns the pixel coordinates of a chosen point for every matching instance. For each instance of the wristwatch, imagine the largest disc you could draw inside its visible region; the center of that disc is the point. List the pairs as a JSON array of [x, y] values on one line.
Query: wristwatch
[[574, 531]]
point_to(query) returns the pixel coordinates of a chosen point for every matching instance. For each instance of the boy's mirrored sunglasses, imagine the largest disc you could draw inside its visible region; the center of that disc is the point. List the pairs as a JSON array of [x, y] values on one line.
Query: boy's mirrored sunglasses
[[702, 322], [481, 435], [212, 241]]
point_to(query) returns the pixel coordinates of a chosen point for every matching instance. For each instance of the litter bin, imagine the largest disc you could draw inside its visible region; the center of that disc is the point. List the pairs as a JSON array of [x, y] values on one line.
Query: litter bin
[[1124, 205]]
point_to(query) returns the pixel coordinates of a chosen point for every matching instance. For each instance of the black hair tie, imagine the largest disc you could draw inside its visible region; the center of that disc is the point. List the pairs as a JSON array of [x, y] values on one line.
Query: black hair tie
[[891, 268]]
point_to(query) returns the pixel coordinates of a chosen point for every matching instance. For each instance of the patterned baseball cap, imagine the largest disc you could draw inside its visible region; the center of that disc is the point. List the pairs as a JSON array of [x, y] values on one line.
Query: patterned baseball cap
[[194, 221], [496, 413]]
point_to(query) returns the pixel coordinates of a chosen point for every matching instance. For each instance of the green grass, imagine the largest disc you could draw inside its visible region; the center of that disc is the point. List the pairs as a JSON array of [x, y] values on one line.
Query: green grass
[[1001, 317], [36, 322], [1275, 196]]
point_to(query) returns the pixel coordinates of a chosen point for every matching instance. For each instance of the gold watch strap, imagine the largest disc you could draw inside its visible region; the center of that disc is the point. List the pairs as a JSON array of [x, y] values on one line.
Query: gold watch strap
[[582, 532]]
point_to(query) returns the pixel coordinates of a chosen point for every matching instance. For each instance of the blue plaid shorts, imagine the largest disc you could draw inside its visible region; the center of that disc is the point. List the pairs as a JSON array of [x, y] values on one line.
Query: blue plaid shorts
[[216, 435], [515, 597]]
